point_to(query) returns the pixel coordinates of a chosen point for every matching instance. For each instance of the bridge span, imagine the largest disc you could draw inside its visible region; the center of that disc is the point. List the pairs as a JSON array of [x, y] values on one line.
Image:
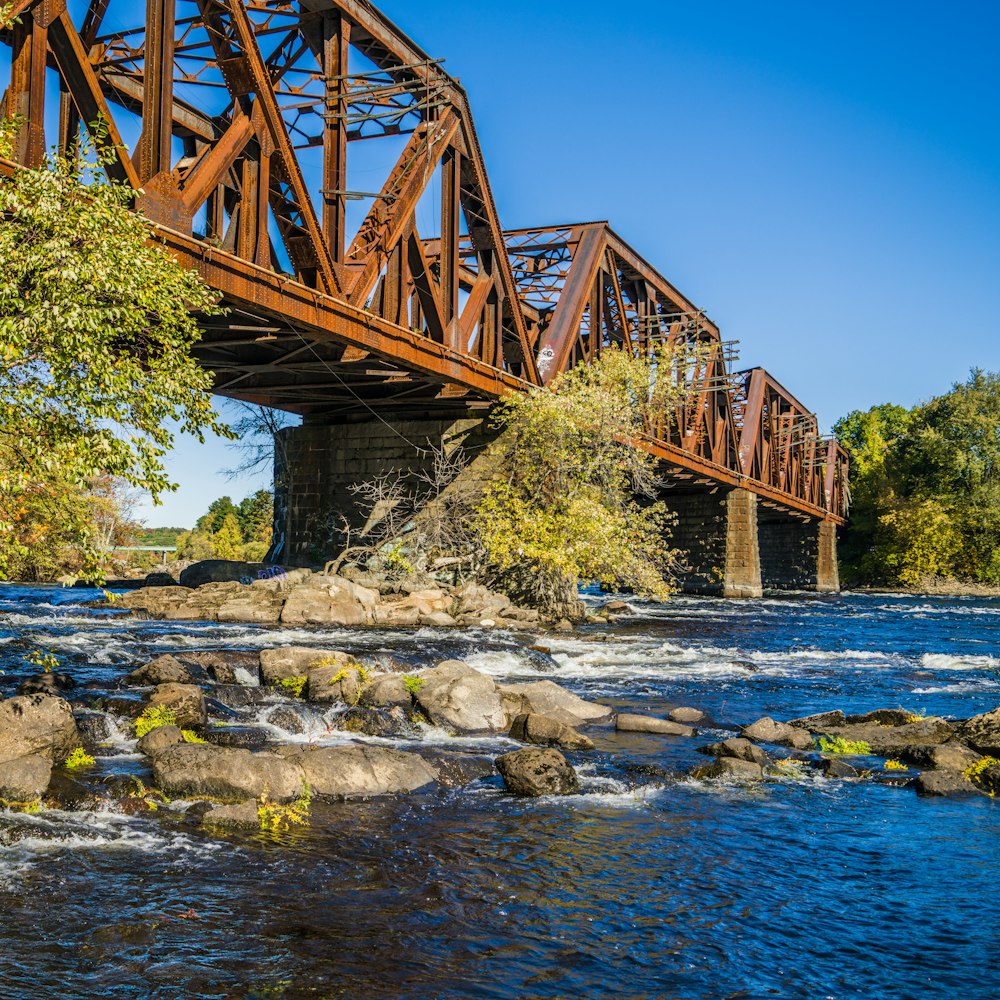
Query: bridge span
[[391, 313]]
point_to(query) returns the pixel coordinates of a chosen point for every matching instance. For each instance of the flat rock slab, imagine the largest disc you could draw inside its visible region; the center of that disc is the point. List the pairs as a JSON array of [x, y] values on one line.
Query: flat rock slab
[[548, 698], [359, 770], [820, 722], [626, 723]]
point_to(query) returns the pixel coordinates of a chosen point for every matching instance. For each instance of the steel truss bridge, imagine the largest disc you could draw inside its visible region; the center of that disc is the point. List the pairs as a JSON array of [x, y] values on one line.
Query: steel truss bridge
[[249, 119]]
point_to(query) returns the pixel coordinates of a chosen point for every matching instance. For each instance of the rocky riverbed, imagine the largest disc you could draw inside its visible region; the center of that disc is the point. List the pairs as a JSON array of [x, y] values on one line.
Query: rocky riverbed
[[616, 775]]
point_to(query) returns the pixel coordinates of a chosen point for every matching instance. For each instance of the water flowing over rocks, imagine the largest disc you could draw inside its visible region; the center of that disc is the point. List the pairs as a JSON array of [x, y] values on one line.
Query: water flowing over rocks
[[537, 772]]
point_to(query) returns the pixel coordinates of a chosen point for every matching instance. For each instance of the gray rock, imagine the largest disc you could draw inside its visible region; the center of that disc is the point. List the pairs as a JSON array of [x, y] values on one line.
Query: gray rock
[[37, 724], [766, 730], [890, 740], [358, 770], [330, 600], [982, 732], [820, 722], [94, 728], [165, 669], [942, 757], [883, 717], [375, 722], [543, 731], [730, 768], [288, 718], [25, 778], [944, 784], [536, 772], [830, 767], [738, 749], [194, 770], [339, 681], [626, 723], [386, 691], [286, 662], [159, 739], [252, 606], [186, 701], [689, 716], [457, 697], [241, 816], [221, 664], [548, 698]]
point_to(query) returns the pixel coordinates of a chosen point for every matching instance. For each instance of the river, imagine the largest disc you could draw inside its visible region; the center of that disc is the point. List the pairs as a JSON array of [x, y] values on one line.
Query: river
[[644, 885]]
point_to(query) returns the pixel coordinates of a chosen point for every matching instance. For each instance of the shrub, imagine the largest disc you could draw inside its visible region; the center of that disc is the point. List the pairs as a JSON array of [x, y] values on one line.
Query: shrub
[[275, 816], [152, 718], [190, 736], [838, 745], [79, 758], [978, 775], [895, 765], [294, 685], [413, 684]]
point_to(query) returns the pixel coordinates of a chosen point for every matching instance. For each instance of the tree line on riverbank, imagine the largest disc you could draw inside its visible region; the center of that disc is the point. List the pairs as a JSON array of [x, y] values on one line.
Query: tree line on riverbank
[[925, 486]]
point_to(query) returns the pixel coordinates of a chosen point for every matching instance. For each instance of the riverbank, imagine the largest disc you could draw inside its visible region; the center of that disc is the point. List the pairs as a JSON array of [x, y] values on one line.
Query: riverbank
[[485, 891]]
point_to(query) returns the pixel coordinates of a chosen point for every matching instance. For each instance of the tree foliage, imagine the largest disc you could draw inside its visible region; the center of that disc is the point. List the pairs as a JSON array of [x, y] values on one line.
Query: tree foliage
[[231, 531], [96, 331], [926, 487], [575, 500]]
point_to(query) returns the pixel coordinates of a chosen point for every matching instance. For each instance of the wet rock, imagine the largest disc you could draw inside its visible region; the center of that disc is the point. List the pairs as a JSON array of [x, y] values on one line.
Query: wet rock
[[688, 716], [730, 768], [46, 683], [240, 816], [943, 757], [330, 600], [944, 784], [375, 722], [456, 696], [24, 778], [235, 696], [982, 732], [548, 698], [186, 701], [890, 740], [165, 669], [831, 767], [546, 732], [221, 664], [456, 770], [95, 728], [987, 777], [628, 723], [238, 737], [386, 691], [288, 718], [219, 571], [159, 739], [738, 749], [883, 717], [536, 772], [766, 730], [820, 722], [357, 770], [37, 724]]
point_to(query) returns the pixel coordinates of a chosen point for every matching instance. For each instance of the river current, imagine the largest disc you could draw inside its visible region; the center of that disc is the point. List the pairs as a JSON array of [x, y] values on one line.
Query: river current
[[647, 884]]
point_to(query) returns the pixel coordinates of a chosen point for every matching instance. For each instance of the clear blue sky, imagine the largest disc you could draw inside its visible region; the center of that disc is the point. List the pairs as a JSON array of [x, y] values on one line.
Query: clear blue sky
[[824, 179]]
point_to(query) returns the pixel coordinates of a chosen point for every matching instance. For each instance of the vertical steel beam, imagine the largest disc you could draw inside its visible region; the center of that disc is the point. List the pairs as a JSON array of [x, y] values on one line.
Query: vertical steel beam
[[27, 86], [336, 47], [157, 90], [451, 184]]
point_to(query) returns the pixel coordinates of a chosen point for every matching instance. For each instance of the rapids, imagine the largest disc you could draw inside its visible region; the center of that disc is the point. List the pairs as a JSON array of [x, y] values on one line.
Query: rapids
[[647, 884]]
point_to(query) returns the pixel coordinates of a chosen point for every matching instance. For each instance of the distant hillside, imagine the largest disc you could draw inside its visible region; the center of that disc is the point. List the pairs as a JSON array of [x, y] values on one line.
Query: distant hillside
[[158, 536]]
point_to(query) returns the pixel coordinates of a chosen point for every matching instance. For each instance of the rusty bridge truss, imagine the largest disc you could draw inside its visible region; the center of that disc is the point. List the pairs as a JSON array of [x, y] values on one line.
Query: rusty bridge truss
[[257, 126]]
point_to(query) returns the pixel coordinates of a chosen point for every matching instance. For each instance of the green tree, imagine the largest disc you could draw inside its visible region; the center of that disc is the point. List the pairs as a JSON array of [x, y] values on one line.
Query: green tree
[[228, 541], [96, 331], [218, 510], [256, 516], [573, 499]]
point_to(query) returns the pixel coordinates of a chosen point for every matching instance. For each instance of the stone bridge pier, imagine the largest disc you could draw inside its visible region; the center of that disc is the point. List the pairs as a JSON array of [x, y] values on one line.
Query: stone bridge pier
[[737, 545]]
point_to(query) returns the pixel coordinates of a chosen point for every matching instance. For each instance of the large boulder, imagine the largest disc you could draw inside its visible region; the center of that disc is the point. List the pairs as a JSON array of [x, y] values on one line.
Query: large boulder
[[385, 691], [890, 740], [944, 784], [287, 662], [37, 724], [340, 681], [186, 701], [165, 669], [546, 732], [548, 698], [252, 606], [628, 723], [196, 769], [730, 769], [737, 749], [357, 770], [222, 665], [766, 730], [219, 571], [457, 697], [159, 739], [155, 602], [536, 772], [983, 732], [25, 778], [941, 757], [330, 600]]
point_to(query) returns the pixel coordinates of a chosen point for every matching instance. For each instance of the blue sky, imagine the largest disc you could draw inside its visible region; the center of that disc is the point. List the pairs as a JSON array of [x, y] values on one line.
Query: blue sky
[[823, 179]]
